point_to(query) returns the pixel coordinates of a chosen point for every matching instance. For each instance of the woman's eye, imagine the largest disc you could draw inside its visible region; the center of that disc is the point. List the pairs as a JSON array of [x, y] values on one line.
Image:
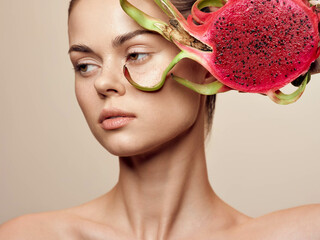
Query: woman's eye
[[137, 56], [85, 68]]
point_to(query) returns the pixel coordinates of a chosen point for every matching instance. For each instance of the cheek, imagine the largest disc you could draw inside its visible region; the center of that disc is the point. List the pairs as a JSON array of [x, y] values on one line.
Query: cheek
[[81, 95], [164, 117], [86, 98], [182, 107]]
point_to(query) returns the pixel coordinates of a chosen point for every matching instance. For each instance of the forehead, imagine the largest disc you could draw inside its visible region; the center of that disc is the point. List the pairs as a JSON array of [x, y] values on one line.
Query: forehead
[[96, 19]]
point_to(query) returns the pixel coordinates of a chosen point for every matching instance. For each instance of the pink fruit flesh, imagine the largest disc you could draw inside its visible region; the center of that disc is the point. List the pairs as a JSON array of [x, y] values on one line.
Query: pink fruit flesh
[[258, 45]]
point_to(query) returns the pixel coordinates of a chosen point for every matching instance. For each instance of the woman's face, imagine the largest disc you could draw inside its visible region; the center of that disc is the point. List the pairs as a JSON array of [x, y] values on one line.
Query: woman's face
[[151, 119]]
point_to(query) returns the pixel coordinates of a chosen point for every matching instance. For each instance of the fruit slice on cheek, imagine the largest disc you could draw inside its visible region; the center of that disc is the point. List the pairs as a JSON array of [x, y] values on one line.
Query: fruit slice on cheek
[[267, 46]]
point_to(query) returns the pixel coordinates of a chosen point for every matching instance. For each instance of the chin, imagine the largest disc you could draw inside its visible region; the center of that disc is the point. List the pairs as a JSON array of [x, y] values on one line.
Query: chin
[[129, 147]]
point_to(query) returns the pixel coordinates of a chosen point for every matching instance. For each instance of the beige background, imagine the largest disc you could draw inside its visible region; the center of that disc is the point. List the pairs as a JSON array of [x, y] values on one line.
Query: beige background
[[261, 157]]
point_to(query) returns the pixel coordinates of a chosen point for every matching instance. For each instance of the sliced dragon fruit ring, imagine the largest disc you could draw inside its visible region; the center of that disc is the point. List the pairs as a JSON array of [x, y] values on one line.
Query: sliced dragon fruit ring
[[255, 46]]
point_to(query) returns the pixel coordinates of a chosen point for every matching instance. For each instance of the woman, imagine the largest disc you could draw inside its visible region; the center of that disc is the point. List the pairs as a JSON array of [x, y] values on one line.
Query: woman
[[163, 190]]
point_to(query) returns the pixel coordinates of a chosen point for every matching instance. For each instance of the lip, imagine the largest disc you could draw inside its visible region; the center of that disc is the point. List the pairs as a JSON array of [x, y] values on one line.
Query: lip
[[114, 118]]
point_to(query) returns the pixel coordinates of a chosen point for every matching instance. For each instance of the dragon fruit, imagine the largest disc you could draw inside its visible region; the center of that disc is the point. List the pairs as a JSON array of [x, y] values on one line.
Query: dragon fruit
[[254, 46]]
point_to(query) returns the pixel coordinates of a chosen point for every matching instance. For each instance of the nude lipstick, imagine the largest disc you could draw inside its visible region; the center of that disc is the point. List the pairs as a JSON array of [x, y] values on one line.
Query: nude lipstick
[[111, 119]]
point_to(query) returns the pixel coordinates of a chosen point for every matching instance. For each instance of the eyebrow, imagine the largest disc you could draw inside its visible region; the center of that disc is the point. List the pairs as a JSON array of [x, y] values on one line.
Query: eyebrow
[[117, 42], [80, 48]]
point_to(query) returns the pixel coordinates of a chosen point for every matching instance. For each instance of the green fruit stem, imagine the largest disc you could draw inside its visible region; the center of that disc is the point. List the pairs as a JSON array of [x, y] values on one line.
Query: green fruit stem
[[144, 20], [284, 99]]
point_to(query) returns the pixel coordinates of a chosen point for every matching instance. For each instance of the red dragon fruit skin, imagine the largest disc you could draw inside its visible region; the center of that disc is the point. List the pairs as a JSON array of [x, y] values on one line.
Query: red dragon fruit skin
[[255, 46]]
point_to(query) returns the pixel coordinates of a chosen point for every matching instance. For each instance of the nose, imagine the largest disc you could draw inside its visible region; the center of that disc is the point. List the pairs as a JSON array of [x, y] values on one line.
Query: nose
[[109, 83]]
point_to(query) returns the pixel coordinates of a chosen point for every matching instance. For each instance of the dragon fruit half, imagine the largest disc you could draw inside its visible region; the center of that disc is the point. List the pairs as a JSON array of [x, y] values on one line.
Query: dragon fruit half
[[255, 46]]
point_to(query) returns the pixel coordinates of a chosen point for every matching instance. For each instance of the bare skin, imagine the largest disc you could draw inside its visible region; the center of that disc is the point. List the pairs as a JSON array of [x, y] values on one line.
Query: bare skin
[[163, 191]]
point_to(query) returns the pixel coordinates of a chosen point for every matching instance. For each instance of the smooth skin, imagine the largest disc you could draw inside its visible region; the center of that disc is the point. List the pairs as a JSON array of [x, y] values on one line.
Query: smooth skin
[[163, 191]]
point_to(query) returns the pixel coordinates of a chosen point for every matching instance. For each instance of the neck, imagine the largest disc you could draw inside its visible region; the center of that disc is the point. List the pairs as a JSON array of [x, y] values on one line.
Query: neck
[[167, 194]]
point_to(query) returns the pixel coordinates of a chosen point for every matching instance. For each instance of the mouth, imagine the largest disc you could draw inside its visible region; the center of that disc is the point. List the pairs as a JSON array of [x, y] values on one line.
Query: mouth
[[113, 118], [113, 113]]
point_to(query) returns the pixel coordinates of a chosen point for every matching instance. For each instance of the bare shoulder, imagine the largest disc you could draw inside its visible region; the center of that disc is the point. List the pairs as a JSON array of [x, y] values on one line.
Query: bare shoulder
[[76, 223], [50, 225], [295, 223], [304, 220]]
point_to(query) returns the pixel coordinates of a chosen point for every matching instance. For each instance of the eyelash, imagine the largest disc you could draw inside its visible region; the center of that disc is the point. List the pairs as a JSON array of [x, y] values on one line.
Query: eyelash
[[138, 60], [78, 67]]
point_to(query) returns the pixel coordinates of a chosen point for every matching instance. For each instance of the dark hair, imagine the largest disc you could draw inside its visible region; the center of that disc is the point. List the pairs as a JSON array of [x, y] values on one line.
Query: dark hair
[[184, 6]]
